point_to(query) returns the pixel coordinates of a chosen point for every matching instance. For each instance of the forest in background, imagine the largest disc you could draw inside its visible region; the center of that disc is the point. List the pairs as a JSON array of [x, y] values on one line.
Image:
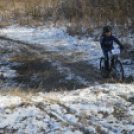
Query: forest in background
[[80, 16]]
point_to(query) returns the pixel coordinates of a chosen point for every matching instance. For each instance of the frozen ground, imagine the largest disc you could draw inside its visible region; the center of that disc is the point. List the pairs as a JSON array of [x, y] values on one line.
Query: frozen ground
[[97, 109], [55, 39], [107, 109]]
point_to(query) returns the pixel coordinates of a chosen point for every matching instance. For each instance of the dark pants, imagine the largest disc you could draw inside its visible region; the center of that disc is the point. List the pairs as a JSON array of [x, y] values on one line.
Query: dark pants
[[107, 58]]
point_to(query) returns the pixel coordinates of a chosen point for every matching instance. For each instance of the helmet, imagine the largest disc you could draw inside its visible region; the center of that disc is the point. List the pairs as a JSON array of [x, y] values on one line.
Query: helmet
[[107, 29]]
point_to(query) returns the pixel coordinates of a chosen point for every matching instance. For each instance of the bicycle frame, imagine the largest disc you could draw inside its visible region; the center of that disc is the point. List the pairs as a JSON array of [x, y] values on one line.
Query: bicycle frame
[[113, 54]]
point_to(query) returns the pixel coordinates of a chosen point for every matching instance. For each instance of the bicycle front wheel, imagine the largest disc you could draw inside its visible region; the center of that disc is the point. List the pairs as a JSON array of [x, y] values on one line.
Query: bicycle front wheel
[[104, 73], [119, 71]]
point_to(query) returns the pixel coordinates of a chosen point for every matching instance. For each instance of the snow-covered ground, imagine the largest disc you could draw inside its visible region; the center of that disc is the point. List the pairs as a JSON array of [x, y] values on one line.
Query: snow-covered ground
[[58, 40], [53, 39], [107, 108]]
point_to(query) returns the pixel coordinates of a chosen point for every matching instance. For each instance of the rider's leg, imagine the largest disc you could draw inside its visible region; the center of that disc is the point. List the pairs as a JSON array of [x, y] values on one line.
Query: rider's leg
[[112, 60], [107, 63], [106, 60]]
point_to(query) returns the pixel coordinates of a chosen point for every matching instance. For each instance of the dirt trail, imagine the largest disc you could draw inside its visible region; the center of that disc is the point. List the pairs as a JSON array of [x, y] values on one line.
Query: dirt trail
[[37, 68]]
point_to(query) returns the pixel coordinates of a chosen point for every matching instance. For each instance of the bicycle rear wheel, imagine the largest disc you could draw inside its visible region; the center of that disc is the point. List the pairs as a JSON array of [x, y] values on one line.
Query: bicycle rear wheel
[[119, 71], [104, 73]]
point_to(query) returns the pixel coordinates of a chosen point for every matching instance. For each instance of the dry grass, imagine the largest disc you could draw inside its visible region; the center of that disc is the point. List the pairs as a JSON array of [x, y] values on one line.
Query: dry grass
[[118, 113], [26, 57], [18, 92], [23, 11], [78, 14], [84, 118], [52, 99], [26, 96], [124, 97], [12, 106], [100, 130]]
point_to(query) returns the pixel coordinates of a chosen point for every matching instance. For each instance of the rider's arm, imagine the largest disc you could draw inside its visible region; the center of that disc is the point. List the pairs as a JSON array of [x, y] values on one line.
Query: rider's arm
[[102, 42], [103, 46], [117, 41]]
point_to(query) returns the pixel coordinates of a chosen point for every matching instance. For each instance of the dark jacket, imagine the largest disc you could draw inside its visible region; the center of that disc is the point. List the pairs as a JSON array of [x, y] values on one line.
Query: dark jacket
[[107, 42]]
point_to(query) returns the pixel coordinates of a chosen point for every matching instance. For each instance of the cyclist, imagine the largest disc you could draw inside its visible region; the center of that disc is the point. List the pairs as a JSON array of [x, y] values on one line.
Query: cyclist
[[106, 42]]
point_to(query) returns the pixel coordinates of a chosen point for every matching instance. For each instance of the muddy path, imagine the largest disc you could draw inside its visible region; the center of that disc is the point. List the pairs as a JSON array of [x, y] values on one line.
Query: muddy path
[[34, 67]]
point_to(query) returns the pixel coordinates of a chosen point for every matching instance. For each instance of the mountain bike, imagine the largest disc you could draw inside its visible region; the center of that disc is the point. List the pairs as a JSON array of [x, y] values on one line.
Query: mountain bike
[[116, 69]]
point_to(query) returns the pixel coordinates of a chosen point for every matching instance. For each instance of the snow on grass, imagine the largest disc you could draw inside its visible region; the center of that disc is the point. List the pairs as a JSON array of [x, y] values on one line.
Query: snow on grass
[[6, 101], [57, 39], [107, 108], [103, 108], [53, 39]]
